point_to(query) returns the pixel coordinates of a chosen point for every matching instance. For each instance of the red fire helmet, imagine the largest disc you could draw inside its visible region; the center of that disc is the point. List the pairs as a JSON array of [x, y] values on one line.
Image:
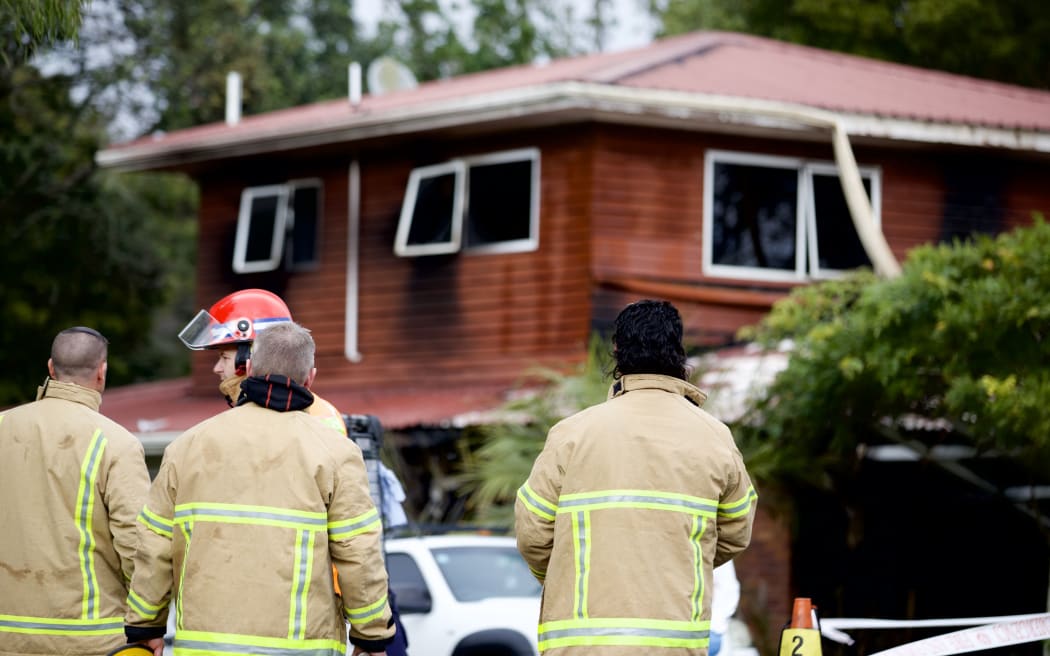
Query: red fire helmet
[[235, 319]]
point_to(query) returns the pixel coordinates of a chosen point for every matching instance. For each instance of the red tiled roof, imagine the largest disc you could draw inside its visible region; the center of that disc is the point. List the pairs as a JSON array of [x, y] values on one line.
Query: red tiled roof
[[703, 63], [174, 405]]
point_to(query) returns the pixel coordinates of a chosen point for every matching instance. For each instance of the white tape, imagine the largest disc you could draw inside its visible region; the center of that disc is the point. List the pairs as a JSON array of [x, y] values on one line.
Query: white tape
[[869, 623], [1028, 629]]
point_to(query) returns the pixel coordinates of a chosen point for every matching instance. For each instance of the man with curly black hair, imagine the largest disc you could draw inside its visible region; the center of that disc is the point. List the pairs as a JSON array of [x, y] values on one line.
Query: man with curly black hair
[[632, 504]]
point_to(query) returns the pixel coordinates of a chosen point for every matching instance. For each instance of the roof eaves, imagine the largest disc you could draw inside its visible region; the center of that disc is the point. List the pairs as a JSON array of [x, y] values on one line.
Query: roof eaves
[[576, 101], [959, 134]]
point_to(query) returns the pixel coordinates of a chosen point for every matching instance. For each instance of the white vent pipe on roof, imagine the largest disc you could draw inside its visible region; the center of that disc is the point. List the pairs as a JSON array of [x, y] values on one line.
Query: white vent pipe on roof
[[354, 81], [233, 98]]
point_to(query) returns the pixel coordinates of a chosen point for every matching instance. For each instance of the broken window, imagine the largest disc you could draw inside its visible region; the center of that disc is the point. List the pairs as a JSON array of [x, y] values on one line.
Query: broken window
[[779, 218], [278, 223], [482, 204]]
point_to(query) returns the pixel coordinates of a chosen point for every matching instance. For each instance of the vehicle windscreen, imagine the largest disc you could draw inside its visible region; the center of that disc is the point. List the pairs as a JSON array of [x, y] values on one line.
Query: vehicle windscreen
[[475, 573]]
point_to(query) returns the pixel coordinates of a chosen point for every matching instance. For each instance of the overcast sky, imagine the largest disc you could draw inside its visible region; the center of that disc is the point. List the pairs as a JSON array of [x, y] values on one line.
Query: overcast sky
[[633, 26]]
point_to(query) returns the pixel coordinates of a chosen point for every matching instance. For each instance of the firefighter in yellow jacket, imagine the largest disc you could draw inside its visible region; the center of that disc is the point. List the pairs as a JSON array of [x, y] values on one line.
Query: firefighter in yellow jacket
[[632, 503], [71, 485], [229, 326], [247, 515]]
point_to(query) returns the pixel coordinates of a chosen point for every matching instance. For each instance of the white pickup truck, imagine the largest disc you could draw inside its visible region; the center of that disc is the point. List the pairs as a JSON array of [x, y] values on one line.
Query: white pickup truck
[[464, 595]]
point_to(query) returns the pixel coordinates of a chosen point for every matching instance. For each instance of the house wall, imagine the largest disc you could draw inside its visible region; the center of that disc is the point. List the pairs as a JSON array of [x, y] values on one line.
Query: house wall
[[442, 319], [648, 191], [639, 191]]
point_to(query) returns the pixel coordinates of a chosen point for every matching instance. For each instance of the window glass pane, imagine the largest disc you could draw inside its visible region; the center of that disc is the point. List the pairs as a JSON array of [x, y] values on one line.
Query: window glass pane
[[404, 573], [475, 573], [838, 245], [432, 212], [753, 216], [303, 241], [499, 206], [261, 228]]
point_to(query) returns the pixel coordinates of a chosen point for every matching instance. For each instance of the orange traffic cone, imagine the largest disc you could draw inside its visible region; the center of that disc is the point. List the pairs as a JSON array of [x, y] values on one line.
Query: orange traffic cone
[[801, 637]]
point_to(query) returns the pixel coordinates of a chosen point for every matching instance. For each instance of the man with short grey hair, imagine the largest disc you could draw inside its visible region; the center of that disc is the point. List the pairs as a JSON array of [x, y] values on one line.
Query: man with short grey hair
[[267, 496], [287, 350], [71, 485]]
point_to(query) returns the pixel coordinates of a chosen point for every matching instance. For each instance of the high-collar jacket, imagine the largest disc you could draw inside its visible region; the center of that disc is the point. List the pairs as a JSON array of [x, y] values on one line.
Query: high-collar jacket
[[628, 508], [247, 516], [71, 484]]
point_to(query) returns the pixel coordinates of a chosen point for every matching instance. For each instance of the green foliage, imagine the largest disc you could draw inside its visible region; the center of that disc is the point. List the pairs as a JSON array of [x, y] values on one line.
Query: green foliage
[[498, 457], [1006, 41], [503, 33], [960, 337], [81, 249], [165, 208], [33, 22], [288, 53]]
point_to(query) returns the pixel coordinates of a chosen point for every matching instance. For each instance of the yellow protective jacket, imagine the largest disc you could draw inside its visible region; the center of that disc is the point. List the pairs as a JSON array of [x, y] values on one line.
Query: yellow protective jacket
[[628, 508], [249, 511], [71, 484], [327, 413]]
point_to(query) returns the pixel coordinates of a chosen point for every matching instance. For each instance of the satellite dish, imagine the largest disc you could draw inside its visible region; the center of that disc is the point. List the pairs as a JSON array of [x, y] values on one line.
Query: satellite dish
[[387, 74]]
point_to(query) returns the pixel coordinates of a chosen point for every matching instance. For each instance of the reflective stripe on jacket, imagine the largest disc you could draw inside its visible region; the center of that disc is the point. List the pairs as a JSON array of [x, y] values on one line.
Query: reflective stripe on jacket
[[327, 413], [247, 515], [71, 485], [627, 510]]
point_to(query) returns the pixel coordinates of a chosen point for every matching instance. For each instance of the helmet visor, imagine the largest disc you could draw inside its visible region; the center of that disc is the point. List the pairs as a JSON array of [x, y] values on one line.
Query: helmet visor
[[204, 331]]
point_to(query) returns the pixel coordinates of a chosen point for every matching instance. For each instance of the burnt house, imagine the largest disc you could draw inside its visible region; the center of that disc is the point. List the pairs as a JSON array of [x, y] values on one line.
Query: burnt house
[[441, 240]]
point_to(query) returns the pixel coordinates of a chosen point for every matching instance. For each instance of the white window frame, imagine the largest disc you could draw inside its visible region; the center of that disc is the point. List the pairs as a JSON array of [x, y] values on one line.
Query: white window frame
[[293, 187], [284, 224], [806, 262], [874, 176], [530, 243], [461, 167], [404, 225], [244, 219]]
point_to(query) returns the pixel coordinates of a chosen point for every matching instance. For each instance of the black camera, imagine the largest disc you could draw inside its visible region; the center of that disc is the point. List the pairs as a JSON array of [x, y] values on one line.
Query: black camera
[[367, 432]]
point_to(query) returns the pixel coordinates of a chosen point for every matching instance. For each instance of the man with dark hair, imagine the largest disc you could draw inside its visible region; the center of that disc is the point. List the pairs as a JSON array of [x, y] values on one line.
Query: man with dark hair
[[71, 485], [633, 502], [247, 516]]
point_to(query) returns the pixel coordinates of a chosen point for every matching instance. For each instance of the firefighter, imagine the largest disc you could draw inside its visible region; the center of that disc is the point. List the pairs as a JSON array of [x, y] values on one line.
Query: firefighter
[[247, 516], [72, 484], [229, 327], [632, 503]]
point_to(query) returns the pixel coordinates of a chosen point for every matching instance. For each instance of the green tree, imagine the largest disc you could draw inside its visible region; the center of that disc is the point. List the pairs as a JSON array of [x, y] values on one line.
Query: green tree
[[503, 33], [79, 251], [288, 53], [423, 36], [959, 339], [1007, 41], [32, 22]]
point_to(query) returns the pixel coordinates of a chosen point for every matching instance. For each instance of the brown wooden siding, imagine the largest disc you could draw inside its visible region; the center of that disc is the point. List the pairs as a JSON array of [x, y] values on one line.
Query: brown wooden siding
[[620, 216], [1027, 193], [648, 214], [462, 319]]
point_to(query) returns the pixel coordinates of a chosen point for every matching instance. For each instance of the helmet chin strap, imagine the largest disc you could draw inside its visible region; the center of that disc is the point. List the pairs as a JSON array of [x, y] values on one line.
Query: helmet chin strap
[[240, 361]]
